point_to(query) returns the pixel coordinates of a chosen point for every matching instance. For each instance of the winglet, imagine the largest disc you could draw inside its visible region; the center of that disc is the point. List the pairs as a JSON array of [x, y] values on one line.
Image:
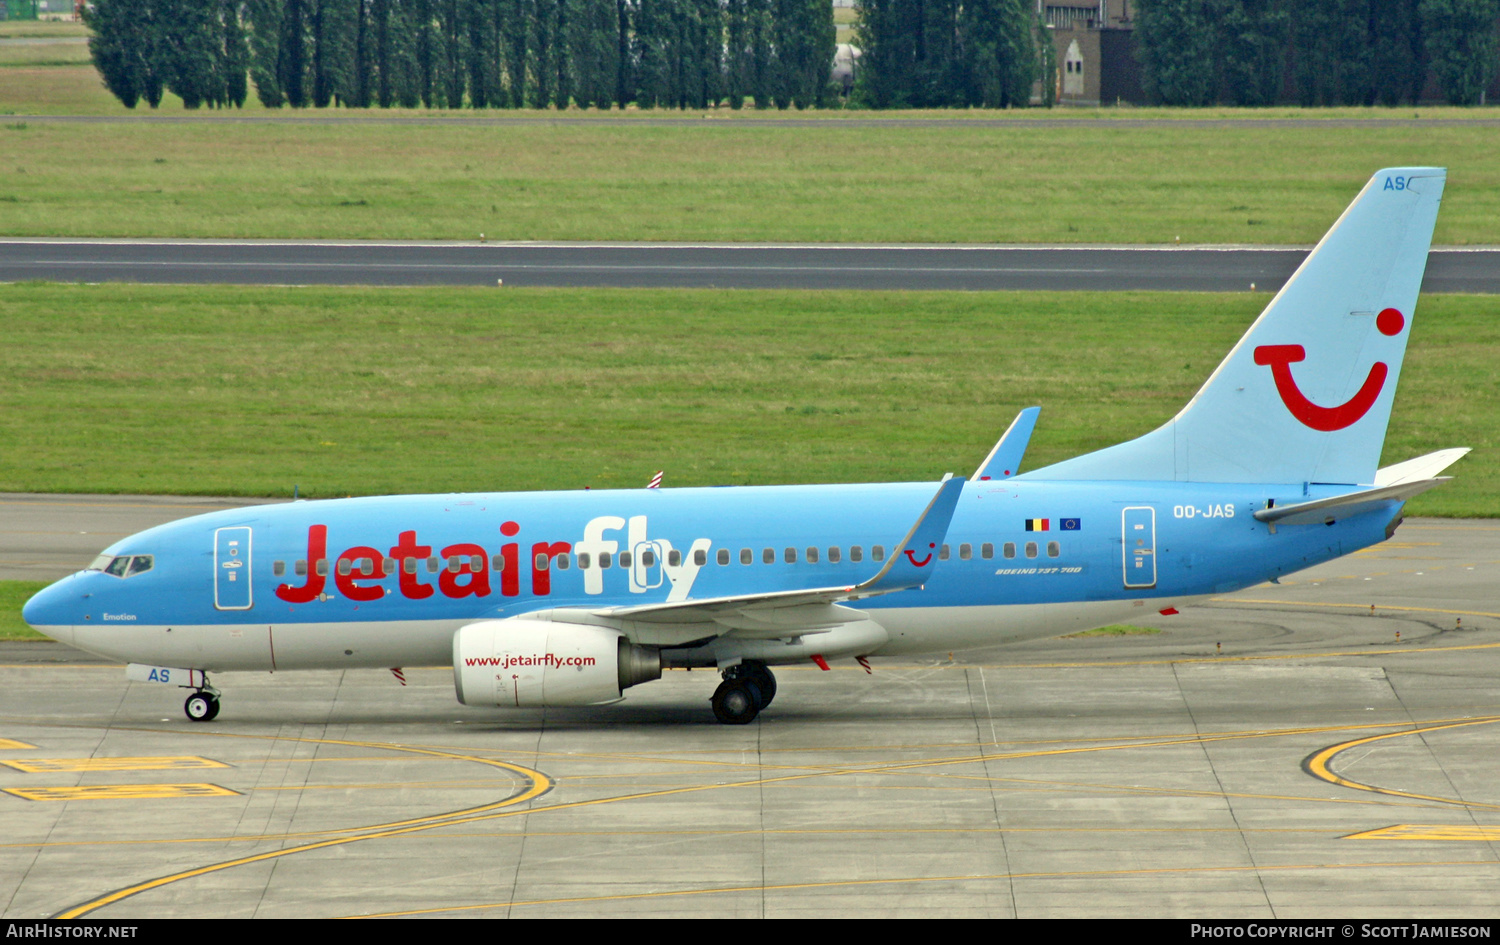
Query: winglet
[[1004, 460], [915, 558]]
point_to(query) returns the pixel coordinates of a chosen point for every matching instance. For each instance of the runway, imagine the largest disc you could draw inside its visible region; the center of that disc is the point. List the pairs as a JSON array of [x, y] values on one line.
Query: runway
[[743, 266], [1285, 752]]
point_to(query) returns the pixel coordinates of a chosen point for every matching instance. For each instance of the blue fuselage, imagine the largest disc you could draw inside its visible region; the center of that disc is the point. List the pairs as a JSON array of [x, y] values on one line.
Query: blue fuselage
[[417, 567]]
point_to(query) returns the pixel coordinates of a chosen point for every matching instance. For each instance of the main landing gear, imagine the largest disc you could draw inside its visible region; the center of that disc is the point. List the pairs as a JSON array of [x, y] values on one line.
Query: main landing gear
[[746, 690], [203, 705]]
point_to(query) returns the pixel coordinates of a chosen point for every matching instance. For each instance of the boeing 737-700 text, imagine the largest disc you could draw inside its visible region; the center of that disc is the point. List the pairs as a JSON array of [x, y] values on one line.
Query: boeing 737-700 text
[[549, 599]]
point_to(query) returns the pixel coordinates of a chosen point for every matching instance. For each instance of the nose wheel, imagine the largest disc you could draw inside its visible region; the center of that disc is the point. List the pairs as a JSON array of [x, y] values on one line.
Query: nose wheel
[[202, 706]]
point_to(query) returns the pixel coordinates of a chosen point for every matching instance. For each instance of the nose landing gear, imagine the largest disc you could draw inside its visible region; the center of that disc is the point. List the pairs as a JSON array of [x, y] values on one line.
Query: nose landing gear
[[746, 690], [203, 705]]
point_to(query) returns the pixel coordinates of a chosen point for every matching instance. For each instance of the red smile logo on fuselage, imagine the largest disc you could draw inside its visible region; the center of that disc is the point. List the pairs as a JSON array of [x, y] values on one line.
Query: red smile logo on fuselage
[[1280, 358], [912, 556]]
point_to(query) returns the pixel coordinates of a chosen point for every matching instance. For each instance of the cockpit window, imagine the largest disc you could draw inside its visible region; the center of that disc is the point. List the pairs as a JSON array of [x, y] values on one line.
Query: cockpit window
[[123, 566]]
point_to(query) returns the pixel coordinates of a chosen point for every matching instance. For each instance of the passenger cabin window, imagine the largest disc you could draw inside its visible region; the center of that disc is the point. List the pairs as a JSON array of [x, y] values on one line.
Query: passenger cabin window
[[497, 563], [943, 553], [390, 566], [674, 558], [1010, 549], [321, 567], [987, 550], [300, 568], [278, 568], [791, 556], [624, 559], [604, 557], [1053, 549], [833, 555], [965, 551], [1031, 549], [812, 556], [723, 556], [432, 565], [648, 558], [584, 560], [563, 560], [877, 553], [768, 555], [700, 557], [747, 556], [856, 554], [541, 561]]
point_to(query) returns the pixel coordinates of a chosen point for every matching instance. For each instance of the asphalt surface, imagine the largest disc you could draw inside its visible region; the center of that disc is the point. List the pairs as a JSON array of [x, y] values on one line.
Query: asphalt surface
[[1285, 752], [747, 266]]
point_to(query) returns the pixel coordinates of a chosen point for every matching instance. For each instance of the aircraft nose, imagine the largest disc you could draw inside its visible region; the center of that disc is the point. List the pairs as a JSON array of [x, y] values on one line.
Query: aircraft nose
[[49, 611]]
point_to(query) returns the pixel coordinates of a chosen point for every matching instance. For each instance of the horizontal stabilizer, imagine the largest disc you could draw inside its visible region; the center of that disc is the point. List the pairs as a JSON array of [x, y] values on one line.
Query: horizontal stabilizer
[[1323, 511], [1423, 467], [1004, 460]]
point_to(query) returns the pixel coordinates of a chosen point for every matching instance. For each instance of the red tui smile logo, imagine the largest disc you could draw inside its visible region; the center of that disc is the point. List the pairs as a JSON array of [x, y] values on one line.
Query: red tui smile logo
[[1280, 358]]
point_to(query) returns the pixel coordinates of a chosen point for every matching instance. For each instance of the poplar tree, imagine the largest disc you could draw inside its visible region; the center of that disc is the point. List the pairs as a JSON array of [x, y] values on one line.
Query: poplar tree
[[1460, 41], [1251, 43], [1176, 51], [123, 45], [236, 53], [332, 29], [805, 41], [263, 18], [997, 61], [1398, 53]]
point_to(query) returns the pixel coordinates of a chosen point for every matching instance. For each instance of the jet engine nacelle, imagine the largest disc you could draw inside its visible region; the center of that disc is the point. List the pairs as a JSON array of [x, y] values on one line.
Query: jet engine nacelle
[[522, 662]]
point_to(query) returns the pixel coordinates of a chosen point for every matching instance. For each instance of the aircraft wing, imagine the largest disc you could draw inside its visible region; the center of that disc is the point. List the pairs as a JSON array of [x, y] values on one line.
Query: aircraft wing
[[773, 614]]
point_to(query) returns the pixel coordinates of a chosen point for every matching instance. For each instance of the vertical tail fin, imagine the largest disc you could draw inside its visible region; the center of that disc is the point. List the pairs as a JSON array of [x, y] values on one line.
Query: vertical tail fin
[[1306, 394]]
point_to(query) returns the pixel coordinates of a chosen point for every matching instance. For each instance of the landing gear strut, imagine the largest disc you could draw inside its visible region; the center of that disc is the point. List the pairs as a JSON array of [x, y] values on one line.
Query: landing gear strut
[[746, 690], [202, 706]]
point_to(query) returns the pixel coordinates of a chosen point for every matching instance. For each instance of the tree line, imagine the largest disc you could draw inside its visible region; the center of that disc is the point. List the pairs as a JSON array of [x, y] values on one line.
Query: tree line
[[466, 53], [947, 53], [1339, 52]]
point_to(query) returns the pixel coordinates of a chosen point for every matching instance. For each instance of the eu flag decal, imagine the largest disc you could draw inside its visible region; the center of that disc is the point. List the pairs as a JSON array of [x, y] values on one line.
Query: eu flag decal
[[1038, 524], [1070, 524]]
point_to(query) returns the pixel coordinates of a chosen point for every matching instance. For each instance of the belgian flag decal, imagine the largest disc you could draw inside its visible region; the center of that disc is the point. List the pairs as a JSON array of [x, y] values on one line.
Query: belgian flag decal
[[1038, 524]]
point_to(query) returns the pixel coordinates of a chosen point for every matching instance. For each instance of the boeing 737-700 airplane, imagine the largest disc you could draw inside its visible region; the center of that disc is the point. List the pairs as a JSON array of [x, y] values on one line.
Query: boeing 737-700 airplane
[[569, 598]]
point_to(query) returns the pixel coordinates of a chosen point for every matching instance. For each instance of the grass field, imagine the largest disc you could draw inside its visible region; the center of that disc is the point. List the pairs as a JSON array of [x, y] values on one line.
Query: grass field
[[724, 178], [13, 595], [250, 391]]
